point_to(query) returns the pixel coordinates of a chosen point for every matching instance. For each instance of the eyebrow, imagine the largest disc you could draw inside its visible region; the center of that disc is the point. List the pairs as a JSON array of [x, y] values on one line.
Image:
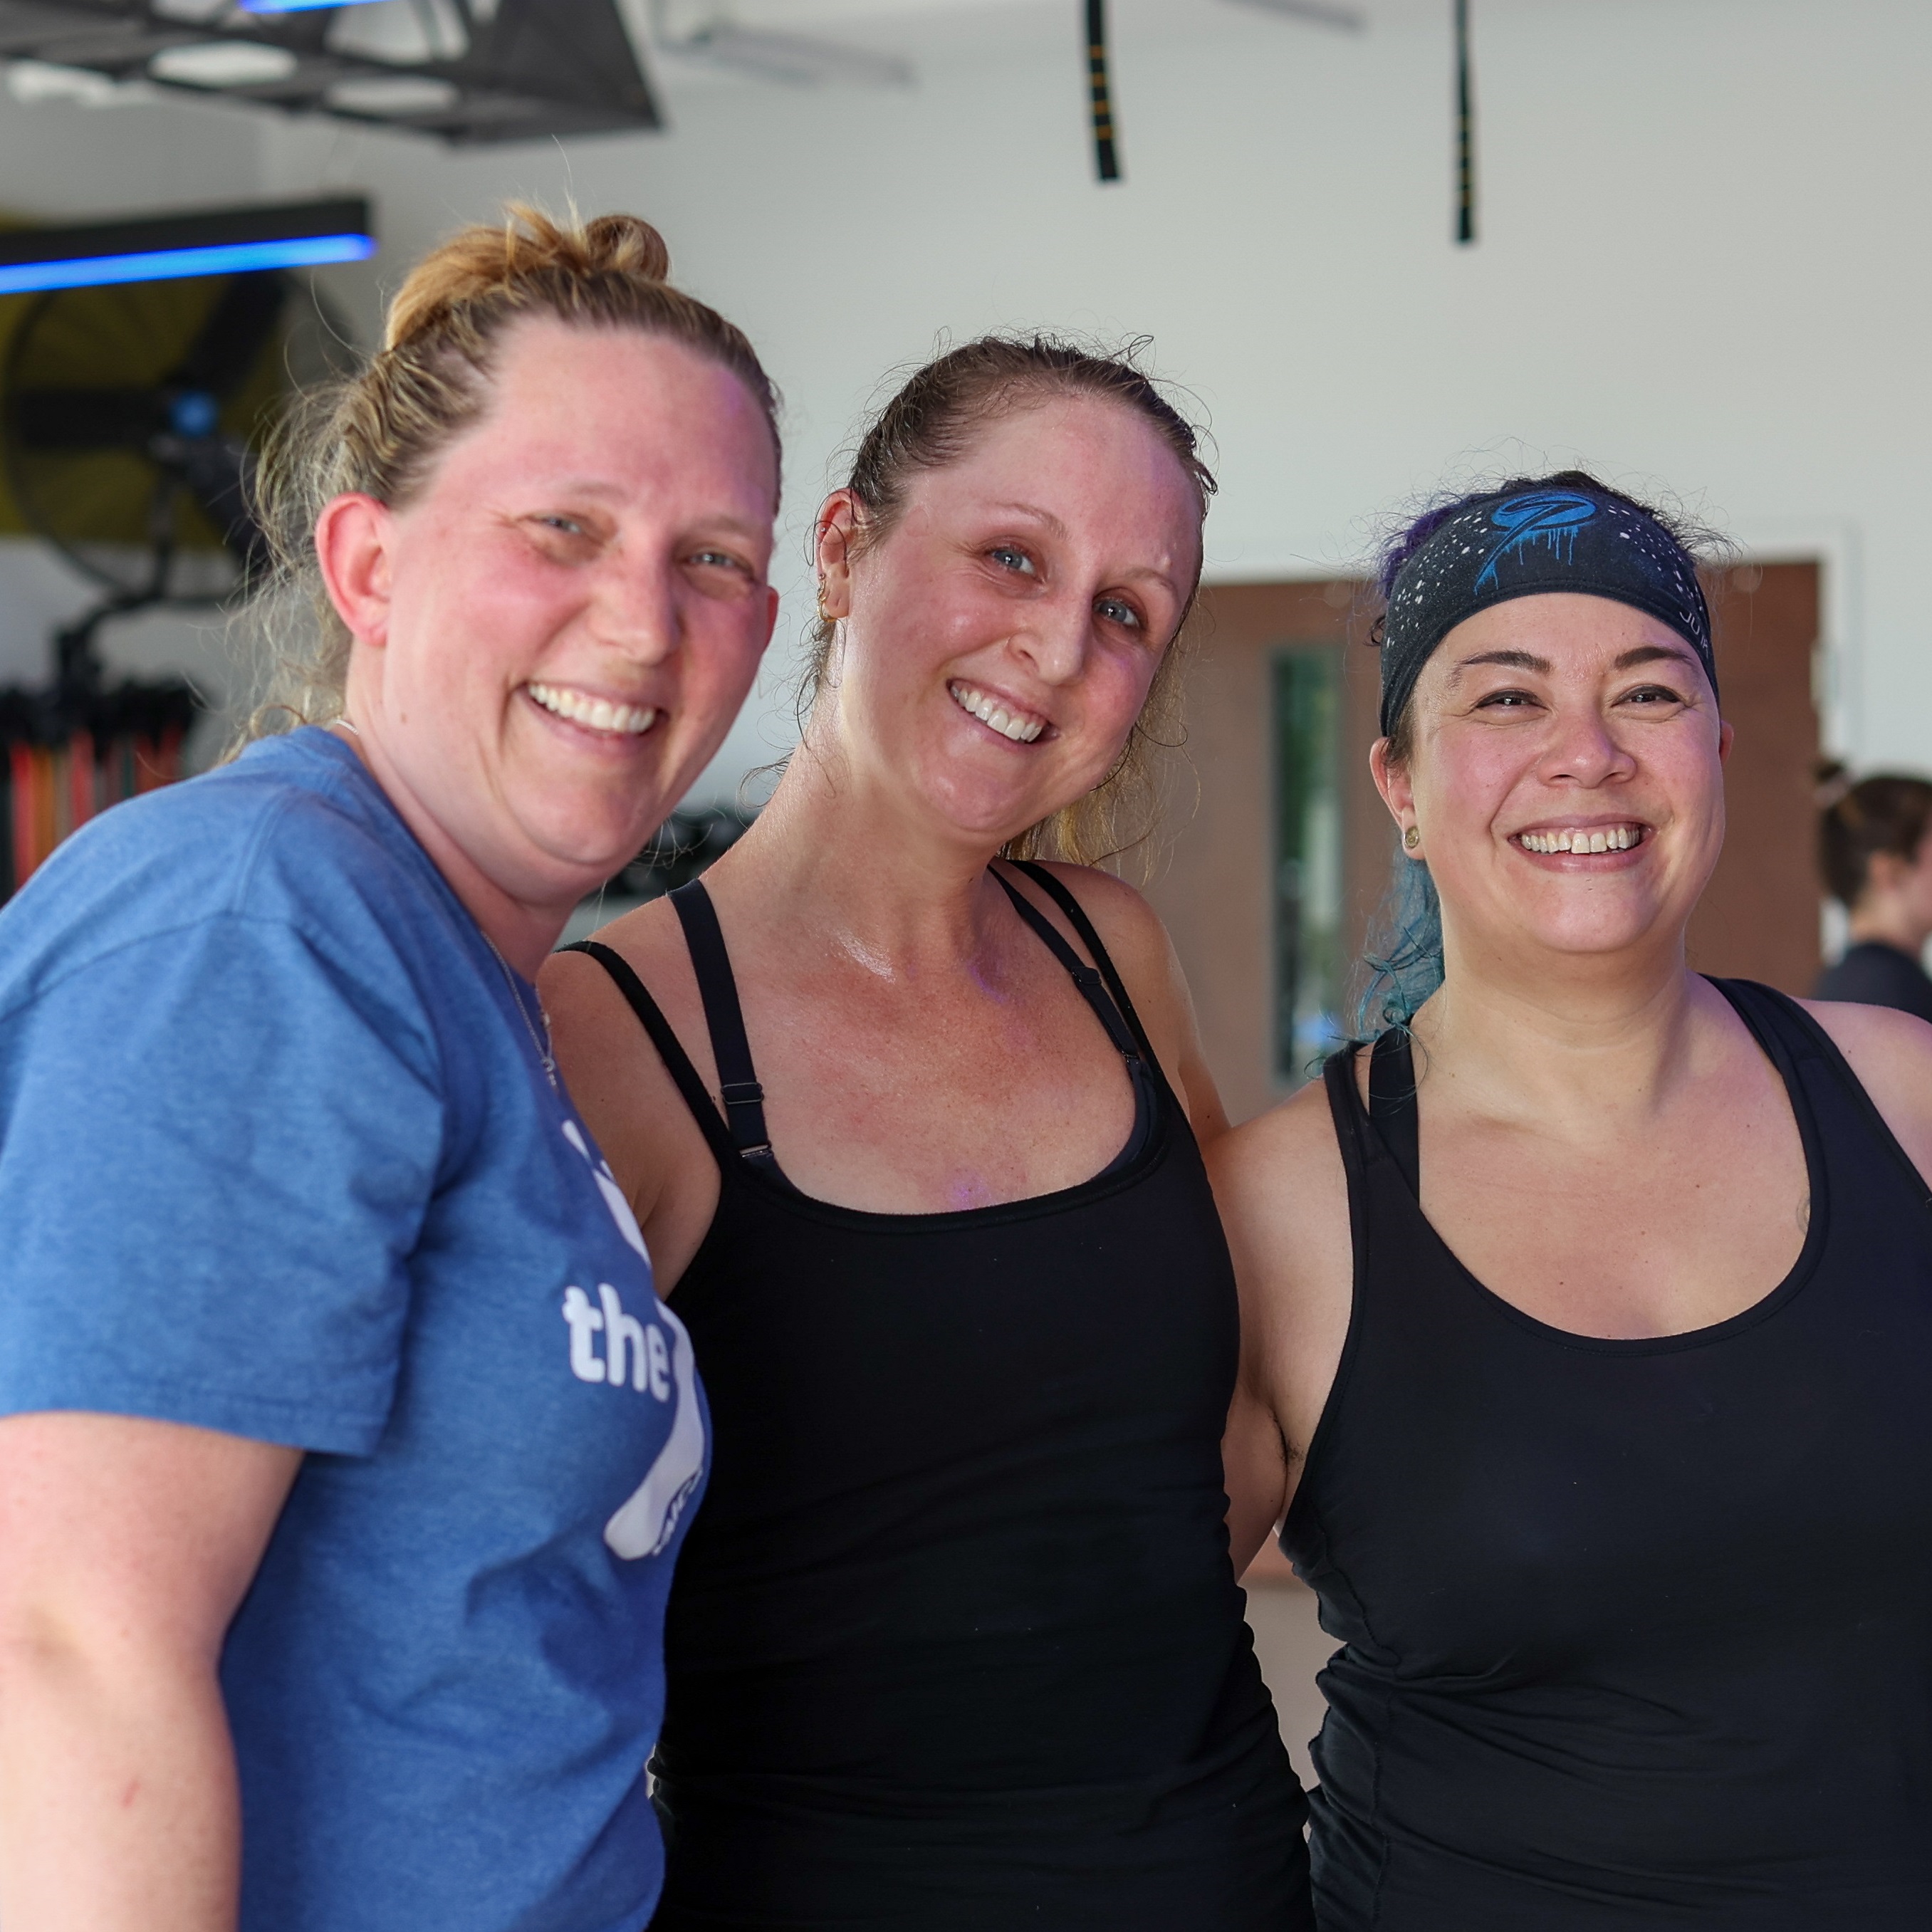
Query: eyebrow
[[1152, 571], [1651, 653], [599, 491], [1626, 660], [1039, 515], [1510, 660]]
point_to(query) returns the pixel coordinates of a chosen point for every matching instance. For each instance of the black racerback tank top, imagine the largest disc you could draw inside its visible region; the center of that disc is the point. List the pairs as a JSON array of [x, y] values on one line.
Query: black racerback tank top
[[1635, 1633], [955, 1645]]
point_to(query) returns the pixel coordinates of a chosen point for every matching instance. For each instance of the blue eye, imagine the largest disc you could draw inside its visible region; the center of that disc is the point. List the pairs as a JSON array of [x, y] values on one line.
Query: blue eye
[[1009, 557], [1117, 611]]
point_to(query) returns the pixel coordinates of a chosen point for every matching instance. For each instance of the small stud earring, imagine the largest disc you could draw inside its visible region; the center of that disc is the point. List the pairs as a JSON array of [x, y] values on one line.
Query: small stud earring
[[1411, 839]]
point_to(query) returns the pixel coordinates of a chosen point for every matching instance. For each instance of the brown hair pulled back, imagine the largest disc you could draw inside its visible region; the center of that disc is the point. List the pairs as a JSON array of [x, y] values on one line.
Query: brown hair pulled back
[[381, 430], [931, 422], [1885, 813]]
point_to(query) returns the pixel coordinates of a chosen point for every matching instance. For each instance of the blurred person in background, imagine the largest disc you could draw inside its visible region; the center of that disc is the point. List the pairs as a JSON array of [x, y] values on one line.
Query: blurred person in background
[[1587, 1313], [346, 1451], [1875, 849], [912, 1121]]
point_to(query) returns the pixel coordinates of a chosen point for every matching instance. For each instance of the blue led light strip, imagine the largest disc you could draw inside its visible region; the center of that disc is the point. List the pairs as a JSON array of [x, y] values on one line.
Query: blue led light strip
[[162, 265], [297, 6]]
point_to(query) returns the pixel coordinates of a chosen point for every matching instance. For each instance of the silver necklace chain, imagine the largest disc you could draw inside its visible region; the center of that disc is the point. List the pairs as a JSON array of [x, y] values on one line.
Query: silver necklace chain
[[545, 1056]]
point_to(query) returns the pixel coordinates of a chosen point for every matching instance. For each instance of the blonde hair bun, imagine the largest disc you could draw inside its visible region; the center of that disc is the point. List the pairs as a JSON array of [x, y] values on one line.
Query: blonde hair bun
[[529, 250]]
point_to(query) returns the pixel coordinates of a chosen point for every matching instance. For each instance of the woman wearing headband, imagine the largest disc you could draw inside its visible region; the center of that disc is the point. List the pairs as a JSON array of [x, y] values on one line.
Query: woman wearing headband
[[1589, 1315], [911, 1122], [333, 1573]]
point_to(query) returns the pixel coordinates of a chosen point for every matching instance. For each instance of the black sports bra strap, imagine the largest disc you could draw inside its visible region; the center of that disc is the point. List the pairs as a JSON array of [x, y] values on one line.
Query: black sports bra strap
[[1093, 988], [677, 1062], [1076, 917], [737, 1079], [1392, 1103]]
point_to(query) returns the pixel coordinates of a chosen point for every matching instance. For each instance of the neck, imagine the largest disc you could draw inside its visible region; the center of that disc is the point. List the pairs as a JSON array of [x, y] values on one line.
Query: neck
[[523, 934], [831, 859], [1575, 1036], [1887, 925]]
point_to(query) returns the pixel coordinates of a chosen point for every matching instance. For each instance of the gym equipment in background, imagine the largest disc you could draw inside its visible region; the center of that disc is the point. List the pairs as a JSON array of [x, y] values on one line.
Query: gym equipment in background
[[467, 72], [130, 415]]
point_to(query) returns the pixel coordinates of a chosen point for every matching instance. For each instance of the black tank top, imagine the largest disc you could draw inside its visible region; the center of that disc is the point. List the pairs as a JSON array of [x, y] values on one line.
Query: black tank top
[[1635, 1633], [955, 1645]]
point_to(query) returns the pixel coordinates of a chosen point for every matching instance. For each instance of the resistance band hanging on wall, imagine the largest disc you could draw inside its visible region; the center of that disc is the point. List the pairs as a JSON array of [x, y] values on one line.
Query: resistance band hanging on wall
[[1465, 132], [1106, 158]]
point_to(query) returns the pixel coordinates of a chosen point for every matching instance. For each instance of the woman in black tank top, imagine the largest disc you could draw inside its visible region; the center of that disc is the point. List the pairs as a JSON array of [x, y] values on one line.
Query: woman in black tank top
[[1589, 1316], [955, 1641]]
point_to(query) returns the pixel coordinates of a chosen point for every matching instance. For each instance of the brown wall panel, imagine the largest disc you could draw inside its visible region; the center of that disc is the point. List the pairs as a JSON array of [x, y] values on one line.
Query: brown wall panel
[[1759, 917], [1214, 885]]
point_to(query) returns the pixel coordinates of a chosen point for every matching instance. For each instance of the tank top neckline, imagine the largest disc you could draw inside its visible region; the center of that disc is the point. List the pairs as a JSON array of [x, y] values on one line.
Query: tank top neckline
[[1150, 1140], [1768, 1305]]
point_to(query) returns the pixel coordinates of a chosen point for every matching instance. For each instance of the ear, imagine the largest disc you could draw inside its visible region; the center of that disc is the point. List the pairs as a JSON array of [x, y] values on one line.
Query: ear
[[1392, 780], [352, 538], [1727, 733], [836, 539]]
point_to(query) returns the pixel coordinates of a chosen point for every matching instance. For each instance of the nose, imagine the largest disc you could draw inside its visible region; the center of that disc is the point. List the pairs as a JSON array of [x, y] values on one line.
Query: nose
[[1583, 750], [634, 609], [1053, 638]]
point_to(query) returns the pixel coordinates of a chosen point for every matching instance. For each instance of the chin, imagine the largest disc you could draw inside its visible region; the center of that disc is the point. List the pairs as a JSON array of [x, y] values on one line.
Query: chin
[[1600, 938], [601, 843]]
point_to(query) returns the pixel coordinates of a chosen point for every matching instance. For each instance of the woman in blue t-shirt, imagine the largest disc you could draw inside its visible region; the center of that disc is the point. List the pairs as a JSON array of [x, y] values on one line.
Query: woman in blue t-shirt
[[344, 1446]]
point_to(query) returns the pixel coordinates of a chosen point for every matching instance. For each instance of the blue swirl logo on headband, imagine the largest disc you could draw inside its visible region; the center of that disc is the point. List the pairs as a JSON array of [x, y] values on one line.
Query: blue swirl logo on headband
[[1551, 518]]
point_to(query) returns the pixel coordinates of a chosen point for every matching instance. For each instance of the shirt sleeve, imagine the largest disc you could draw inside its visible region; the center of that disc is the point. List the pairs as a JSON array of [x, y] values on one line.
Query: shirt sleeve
[[218, 1147]]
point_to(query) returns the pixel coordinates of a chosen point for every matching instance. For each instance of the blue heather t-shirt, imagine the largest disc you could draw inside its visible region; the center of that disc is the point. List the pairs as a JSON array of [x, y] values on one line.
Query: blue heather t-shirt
[[278, 1157]]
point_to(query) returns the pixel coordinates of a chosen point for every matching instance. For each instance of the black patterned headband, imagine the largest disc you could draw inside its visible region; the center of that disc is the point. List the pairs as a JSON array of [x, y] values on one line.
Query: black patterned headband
[[1522, 543]]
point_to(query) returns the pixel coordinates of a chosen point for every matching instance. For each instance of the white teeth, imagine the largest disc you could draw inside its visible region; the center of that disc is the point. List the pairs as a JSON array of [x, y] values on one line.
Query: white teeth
[[630, 721], [1616, 838], [991, 712]]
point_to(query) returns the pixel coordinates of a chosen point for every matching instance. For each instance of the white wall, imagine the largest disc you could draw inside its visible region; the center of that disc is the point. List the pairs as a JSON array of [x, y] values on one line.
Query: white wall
[[1703, 259]]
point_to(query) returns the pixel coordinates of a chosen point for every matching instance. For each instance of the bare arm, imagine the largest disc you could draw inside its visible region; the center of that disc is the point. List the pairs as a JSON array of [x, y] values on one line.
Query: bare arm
[[125, 1546], [1284, 1200]]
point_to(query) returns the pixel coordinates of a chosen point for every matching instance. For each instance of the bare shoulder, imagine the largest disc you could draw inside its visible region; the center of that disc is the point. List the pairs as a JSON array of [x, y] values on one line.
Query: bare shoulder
[[1891, 1052], [1144, 956], [619, 1084], [1280, 1181], [1129, 928]]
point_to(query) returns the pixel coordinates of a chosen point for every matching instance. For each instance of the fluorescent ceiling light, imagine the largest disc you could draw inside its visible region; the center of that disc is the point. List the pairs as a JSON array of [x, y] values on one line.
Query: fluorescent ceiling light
[[227, 242], [1349, 20], [233, 63], [393, 94]]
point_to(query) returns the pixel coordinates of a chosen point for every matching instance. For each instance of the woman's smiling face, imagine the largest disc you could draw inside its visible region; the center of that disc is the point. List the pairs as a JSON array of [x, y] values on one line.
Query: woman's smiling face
[[1565, 772], [554, 632], [999, 638]]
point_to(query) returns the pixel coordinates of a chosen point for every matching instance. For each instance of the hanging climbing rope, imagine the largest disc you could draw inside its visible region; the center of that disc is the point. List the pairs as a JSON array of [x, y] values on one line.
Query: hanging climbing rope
[[1465, 132], [1106, 159]]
